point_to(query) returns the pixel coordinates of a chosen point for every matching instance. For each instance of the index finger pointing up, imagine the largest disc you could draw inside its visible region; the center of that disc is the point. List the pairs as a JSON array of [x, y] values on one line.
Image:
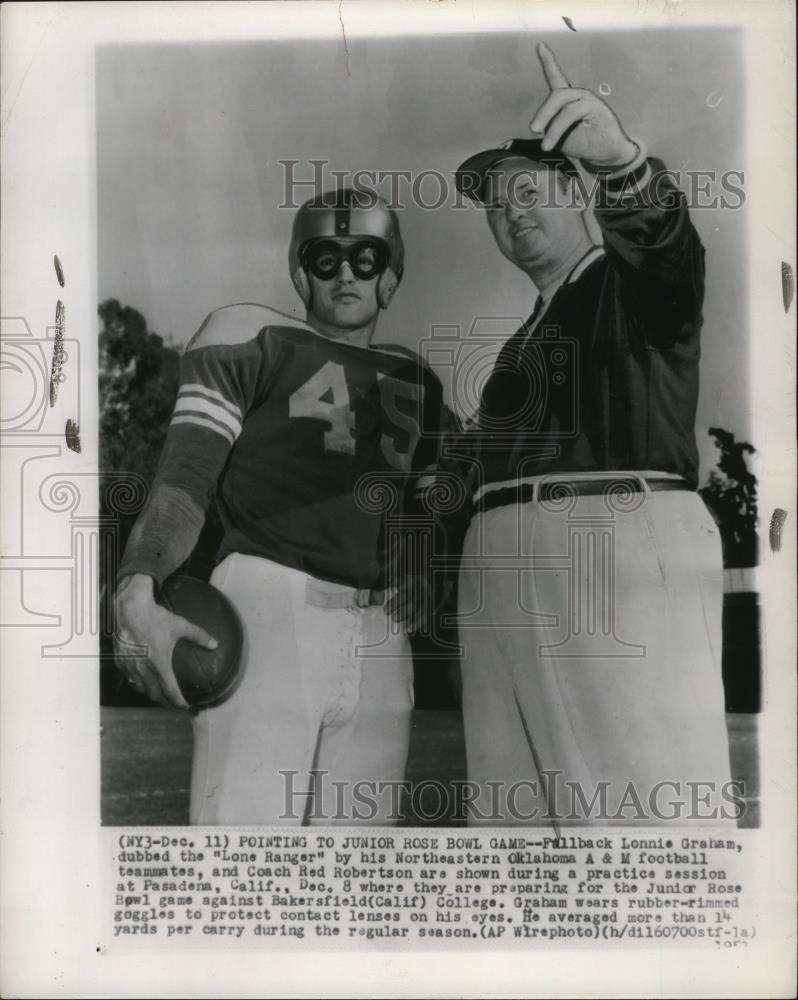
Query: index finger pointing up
[[555, 77]]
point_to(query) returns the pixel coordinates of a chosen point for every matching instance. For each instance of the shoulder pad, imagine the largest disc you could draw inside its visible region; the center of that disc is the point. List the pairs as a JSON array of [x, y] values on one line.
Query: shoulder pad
[[236, 324]]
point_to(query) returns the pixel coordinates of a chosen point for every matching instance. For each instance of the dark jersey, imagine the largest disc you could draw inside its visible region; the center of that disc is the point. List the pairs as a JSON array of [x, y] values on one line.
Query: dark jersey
[[607, 378], [310, 444]]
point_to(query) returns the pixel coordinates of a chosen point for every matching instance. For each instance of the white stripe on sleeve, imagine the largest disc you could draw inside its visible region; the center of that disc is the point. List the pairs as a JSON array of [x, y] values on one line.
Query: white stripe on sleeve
[[194, 403], [197, 389]]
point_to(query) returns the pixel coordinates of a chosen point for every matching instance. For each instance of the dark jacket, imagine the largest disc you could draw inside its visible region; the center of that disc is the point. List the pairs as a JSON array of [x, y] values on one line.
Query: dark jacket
[[608, 377]]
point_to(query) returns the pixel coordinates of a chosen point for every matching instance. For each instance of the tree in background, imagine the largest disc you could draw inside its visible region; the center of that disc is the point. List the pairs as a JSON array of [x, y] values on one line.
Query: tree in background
[[138, 380], [731, 495]]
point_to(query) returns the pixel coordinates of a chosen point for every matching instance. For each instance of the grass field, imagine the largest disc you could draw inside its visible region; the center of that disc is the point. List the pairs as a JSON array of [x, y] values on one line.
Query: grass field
[[146, 764]]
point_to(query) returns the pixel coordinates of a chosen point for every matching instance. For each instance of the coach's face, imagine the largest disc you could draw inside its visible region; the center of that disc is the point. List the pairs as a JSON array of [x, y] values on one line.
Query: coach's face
[[529, 215], [344, 302]]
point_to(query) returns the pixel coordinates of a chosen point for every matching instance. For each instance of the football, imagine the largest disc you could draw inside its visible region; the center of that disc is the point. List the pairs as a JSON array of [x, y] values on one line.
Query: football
[[206, 676]]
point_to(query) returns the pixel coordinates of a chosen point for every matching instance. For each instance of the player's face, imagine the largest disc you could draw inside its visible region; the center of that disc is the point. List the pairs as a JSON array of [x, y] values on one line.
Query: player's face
[[529, 216], [344, 299]]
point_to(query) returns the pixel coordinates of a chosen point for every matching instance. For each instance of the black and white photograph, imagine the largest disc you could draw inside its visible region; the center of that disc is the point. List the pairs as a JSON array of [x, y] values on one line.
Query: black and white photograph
[[578, 476], [398, 442]]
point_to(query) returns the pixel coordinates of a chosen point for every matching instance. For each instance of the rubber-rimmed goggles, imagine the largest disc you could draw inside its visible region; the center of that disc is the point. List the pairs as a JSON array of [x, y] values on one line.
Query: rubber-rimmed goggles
[[323, 258]]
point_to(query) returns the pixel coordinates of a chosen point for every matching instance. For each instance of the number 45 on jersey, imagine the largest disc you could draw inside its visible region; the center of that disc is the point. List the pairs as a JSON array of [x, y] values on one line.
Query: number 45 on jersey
[[325, 396]]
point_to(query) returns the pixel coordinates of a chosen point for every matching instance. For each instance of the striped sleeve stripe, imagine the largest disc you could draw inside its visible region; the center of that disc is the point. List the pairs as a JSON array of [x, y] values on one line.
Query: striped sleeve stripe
[[197, 404], [199, 421], [631, 177], [196, 389]]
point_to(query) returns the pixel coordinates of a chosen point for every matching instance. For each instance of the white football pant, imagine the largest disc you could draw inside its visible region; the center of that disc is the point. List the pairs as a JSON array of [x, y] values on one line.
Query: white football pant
[[592, 641], [324, 689]]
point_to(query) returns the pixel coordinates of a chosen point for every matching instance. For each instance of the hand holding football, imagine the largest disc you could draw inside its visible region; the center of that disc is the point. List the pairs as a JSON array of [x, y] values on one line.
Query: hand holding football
[[205, 676]]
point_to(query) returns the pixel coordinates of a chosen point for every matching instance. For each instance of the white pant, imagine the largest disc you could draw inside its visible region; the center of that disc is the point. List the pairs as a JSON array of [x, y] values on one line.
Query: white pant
[[324, 689], [592, 641]]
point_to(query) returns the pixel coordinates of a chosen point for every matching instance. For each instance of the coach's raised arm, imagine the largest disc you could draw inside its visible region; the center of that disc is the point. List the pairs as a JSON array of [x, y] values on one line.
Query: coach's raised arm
[[642, 214]]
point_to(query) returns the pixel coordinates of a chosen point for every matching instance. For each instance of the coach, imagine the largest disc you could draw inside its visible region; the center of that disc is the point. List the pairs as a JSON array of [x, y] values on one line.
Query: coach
[[590, 588]]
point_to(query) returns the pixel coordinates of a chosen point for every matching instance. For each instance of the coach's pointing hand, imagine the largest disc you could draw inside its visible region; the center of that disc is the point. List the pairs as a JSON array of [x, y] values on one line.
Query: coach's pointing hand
[[143, 622], [578, 122]]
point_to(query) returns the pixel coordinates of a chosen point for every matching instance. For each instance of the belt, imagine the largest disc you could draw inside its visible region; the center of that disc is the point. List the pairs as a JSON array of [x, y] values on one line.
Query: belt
[[553, 488], [321, 596]]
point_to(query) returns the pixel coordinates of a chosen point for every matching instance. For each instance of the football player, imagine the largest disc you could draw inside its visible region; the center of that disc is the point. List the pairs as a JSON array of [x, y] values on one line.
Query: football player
[[310, 439]]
